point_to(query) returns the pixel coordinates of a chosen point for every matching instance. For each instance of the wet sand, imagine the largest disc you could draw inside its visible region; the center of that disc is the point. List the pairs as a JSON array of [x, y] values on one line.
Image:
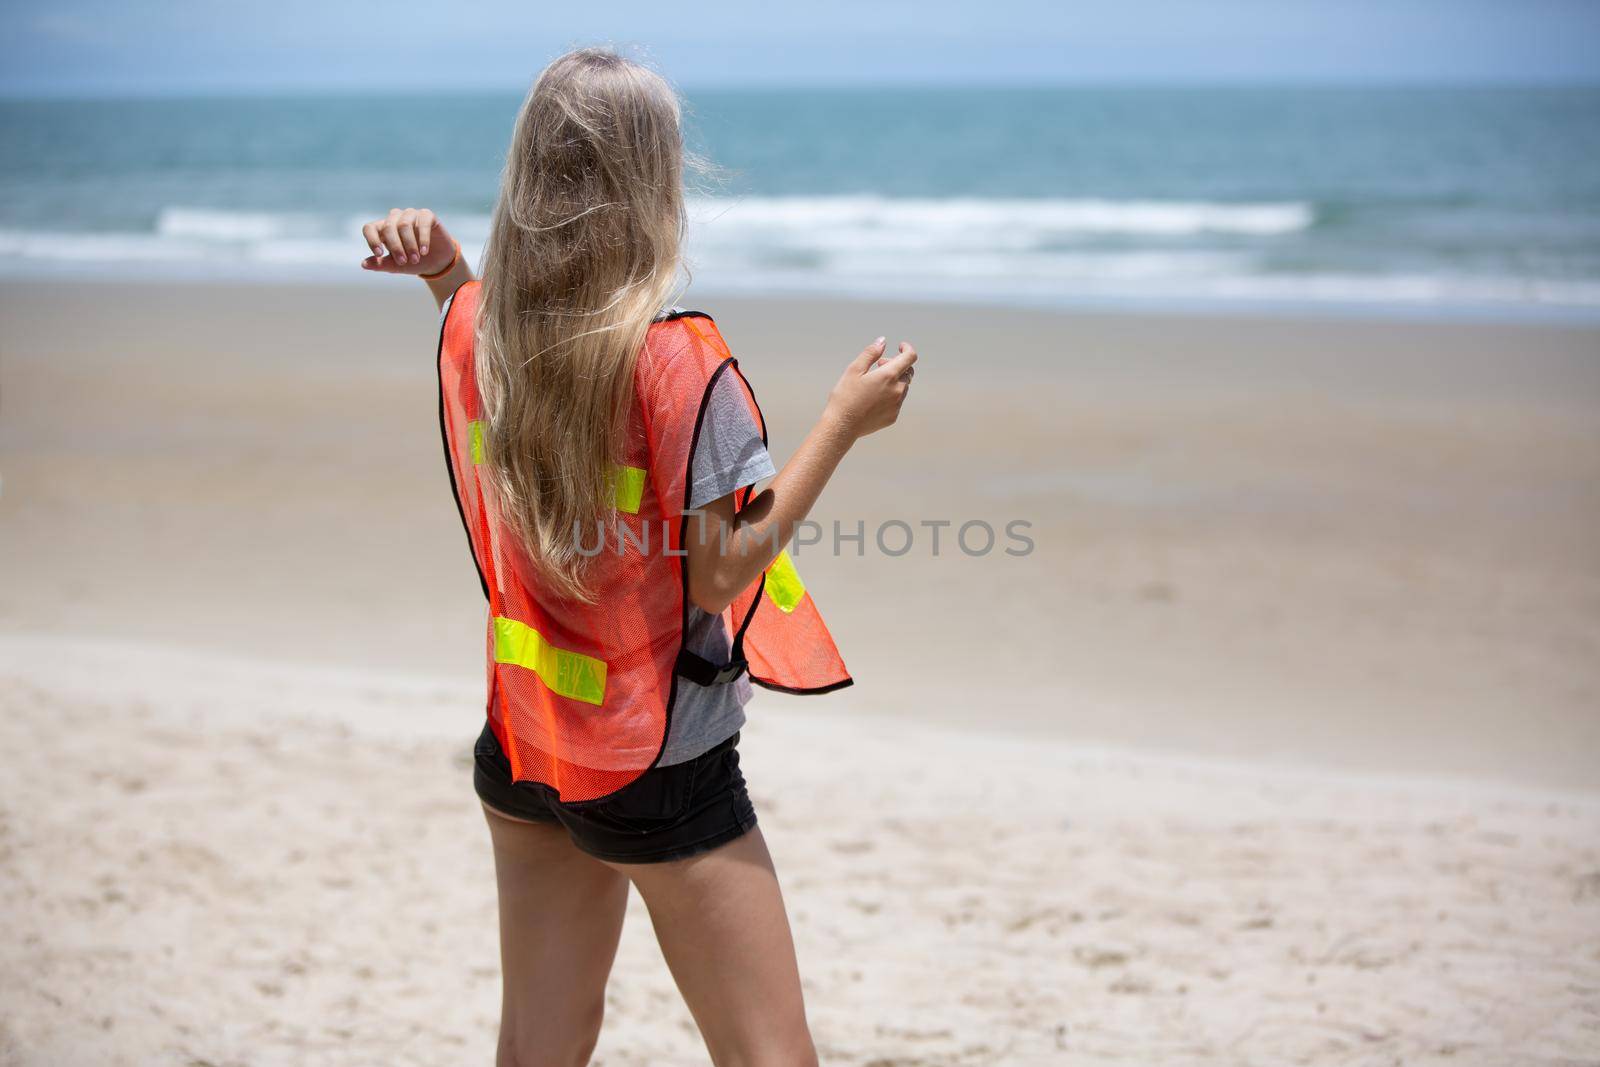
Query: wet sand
[[1367, 545]]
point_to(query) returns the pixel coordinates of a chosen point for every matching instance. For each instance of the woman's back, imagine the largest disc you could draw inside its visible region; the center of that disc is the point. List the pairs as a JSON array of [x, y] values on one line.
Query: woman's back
[[605, 467]]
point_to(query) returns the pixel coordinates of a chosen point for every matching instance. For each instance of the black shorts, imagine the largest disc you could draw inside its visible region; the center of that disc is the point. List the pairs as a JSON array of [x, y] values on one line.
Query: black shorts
[[669, 813]]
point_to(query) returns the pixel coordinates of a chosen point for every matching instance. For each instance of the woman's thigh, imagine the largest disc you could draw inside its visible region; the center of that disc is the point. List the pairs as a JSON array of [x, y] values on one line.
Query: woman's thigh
[[720, 919], [560, 919]]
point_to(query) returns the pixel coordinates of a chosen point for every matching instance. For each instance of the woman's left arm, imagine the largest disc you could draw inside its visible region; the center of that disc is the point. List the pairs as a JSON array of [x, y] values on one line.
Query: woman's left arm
[[413, 241]]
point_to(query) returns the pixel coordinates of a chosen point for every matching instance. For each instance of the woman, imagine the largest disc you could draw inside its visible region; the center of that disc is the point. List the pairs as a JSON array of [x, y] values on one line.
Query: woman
[[575, 411]]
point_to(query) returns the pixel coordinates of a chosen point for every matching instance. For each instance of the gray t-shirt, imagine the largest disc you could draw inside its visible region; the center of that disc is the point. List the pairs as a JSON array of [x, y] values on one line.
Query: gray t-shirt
[[728, 457]]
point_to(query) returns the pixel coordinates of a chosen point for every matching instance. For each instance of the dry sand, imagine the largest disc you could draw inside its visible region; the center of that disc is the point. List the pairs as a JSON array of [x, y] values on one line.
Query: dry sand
[[275, 865], [1282, 747]]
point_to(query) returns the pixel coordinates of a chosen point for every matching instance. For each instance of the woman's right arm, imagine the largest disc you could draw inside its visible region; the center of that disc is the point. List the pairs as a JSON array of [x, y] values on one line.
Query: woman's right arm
[[730, 551], [413, 241]]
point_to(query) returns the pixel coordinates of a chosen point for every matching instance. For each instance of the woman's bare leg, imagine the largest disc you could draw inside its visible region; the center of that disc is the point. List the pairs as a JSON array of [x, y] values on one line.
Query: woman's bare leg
[[720, 919], [560, 918]]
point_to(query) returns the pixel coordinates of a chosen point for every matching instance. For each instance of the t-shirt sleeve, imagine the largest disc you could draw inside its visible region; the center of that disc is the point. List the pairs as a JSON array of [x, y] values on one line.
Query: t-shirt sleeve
[[730, 454]]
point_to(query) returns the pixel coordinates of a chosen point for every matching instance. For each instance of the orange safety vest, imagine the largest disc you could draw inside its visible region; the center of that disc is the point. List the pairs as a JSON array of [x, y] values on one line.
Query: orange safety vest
[[581, 695]]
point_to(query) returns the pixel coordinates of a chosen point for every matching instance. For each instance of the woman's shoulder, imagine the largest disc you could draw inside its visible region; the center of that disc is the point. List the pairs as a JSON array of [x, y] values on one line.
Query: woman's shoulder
[[676, 331], [680, 342], [673, 314]]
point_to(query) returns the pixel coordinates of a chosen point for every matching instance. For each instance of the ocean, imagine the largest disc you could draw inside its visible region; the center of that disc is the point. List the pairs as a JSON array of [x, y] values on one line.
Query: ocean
[[1341, 198]]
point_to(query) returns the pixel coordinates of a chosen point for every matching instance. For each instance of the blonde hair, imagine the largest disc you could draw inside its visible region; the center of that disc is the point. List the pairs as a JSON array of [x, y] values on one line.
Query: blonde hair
[[582, 254]]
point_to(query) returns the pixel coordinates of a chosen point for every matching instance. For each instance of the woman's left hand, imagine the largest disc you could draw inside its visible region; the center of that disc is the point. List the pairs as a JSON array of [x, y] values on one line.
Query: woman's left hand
[[408, 241]]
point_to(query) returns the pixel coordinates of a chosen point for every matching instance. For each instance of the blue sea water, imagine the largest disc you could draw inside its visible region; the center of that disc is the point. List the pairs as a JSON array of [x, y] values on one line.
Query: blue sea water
[[1353, 197]]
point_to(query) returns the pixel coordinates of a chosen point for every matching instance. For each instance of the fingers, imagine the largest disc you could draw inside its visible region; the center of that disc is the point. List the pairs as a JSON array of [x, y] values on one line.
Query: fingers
[[869, 356], [903, 368], [390, 232], [424, 230], [901, 363], [407, 226], [399, 234], [400, 240], [382, 265]]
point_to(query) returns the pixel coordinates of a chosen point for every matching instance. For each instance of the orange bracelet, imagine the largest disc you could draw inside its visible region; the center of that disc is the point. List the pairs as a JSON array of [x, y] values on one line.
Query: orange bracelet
[[448, 267]]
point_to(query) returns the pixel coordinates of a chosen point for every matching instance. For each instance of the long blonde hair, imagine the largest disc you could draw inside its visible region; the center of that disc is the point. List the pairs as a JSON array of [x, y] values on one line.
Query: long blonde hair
[[582, 253]]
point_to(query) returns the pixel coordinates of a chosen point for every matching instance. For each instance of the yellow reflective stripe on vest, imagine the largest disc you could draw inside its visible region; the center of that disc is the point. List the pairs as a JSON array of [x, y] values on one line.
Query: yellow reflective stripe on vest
[[783, 583], [570, 674], [630, 489], [629, 480]]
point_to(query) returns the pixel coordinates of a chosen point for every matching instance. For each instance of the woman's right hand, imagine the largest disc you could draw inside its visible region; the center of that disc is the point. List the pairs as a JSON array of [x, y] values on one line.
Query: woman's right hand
[[869, 395], [408, 241]]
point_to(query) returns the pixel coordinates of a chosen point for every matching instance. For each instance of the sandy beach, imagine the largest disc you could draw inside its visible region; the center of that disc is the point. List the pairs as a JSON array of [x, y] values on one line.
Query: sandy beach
[[1281, 746]]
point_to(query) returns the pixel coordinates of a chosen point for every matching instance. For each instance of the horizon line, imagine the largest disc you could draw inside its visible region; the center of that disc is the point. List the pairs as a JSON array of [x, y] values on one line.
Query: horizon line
[[105, 95]]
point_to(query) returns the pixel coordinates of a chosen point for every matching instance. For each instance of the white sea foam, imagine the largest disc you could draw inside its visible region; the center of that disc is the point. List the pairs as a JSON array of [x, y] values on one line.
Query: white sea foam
[[201, 224], [17, 246], [999, 218], [1036, 251]]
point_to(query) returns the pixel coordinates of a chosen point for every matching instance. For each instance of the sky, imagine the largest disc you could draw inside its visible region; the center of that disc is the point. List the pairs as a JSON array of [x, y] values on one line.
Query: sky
[[122, 47]]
